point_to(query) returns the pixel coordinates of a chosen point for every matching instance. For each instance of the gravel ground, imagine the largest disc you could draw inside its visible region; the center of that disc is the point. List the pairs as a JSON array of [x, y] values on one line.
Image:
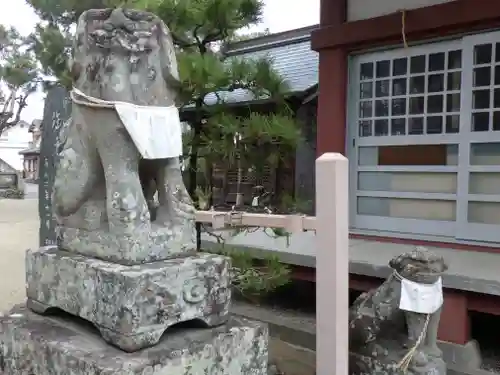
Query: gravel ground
[[18, 232]]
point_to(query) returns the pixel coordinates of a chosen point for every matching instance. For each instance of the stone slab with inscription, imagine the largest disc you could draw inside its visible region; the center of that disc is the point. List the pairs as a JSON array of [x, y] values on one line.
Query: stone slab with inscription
[[57, 111], [32, 344]]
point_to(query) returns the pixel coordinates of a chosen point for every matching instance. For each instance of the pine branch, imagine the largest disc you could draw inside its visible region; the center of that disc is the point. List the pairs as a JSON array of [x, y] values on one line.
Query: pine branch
[[195, 35], [215, 36], [181, 42]]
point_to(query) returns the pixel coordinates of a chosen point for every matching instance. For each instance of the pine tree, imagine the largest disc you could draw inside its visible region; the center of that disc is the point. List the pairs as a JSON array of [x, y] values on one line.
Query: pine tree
[[18, 75], [218, 133]]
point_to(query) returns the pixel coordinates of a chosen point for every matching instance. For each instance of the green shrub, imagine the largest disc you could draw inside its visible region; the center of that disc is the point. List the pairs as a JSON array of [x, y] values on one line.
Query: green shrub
[[254, 277]]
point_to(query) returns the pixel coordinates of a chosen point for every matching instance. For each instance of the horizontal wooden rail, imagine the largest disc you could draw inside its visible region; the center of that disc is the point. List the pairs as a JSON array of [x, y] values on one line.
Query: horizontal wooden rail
[[291, 223]]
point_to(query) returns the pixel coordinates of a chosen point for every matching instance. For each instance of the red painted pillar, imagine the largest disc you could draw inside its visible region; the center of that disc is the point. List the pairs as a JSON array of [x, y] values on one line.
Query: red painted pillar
[[332, 12], [454, 325], [331, 122]]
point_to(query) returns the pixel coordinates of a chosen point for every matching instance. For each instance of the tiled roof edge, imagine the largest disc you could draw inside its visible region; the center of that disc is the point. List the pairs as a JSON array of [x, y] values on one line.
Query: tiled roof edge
[[270, 41]]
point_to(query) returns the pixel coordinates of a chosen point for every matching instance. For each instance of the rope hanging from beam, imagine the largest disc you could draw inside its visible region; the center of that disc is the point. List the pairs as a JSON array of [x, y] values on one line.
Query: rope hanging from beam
[[403, 27]]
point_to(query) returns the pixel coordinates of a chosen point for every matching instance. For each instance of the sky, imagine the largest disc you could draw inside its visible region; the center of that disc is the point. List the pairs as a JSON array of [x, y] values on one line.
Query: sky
[[279, 15]]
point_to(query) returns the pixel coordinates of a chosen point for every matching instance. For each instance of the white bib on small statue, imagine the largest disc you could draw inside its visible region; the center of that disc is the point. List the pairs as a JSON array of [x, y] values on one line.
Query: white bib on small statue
[[421, 298]]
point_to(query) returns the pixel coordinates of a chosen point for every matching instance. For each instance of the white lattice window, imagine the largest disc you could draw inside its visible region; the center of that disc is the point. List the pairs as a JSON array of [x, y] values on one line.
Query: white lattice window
[[425, 128], [480, 152], [412, 95]]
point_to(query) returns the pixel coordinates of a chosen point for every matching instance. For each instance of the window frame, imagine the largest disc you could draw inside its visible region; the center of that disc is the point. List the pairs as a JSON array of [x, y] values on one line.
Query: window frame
[[459, 230], [466, 230]]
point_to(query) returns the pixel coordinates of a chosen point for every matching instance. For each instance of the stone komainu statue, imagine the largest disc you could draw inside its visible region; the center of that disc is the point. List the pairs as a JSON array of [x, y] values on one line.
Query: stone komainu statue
[[121, 145], [103, 184], [387, 340]]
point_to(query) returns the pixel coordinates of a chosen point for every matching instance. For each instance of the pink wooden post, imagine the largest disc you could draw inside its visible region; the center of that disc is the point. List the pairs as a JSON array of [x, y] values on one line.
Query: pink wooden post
[[332, 264]]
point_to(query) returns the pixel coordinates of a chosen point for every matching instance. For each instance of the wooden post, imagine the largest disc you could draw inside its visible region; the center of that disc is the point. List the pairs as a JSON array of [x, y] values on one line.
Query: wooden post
[[332, 265], [332, 260]]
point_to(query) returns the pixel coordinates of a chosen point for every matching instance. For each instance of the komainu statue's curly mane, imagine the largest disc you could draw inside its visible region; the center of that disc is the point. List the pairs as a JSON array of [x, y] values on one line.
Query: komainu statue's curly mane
[[125, 55]]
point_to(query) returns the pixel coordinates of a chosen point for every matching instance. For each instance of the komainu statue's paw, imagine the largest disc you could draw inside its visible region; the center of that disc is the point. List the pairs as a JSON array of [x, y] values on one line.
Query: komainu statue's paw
[[179, 209], [183, 205]]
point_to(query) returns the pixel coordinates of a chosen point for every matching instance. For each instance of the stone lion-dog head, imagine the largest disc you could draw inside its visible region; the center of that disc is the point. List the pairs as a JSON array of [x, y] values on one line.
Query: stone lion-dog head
[[419, 265], [125, 55]]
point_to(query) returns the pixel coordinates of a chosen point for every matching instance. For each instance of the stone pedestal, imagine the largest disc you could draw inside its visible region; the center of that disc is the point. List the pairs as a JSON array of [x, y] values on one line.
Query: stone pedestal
[[131, 306], [33, 344], [142, 246]]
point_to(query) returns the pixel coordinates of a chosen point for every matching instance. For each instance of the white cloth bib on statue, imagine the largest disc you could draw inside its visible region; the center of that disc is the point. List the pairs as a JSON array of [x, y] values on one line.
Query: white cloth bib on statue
[[155, 131], [421, 298]]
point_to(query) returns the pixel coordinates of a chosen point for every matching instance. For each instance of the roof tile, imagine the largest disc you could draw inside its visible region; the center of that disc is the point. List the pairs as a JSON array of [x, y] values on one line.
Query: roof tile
[[291, 55]]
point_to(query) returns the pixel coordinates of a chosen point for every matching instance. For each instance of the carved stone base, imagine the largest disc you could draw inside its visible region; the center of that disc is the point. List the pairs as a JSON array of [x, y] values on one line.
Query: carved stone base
[[34, 344], [365, 365], [163, 243], [130, 305]]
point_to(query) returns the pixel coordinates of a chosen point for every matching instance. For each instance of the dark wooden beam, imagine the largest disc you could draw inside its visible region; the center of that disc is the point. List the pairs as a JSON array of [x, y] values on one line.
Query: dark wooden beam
[[451, 18]]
